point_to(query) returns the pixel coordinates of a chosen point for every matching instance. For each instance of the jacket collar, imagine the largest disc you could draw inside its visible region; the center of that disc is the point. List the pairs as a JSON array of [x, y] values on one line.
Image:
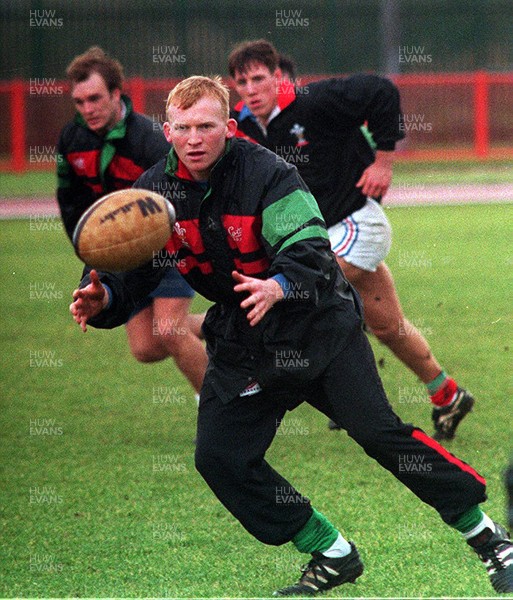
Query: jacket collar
[[176, 168]]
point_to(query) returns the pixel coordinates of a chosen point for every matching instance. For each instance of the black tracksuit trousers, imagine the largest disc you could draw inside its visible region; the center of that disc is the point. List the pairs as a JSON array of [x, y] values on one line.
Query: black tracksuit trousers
[[233, 438]]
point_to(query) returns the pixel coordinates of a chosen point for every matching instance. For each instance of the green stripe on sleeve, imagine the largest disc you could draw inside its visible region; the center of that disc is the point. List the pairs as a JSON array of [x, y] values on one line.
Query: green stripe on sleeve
[[290, 214], [306, 233]]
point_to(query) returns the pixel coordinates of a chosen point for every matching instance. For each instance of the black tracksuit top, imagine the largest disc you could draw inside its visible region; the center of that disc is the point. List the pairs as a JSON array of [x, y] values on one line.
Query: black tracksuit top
[[90, 166], [319, 131], [256, 217]]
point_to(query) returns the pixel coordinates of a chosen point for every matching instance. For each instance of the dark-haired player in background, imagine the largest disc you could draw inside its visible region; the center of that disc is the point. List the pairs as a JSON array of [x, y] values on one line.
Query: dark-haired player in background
[[106, 148]]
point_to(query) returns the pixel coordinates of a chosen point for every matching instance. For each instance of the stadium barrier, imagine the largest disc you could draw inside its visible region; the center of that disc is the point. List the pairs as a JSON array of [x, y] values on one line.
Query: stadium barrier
[[451, 116]]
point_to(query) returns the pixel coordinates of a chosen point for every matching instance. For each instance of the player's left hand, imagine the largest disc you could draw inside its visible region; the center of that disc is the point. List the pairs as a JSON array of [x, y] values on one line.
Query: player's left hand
[[377, 177], [263, 294]]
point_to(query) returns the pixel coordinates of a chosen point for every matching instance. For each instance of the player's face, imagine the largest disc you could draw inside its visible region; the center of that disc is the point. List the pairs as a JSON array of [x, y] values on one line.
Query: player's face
[[100, 108], [199, 135], [258, 88]]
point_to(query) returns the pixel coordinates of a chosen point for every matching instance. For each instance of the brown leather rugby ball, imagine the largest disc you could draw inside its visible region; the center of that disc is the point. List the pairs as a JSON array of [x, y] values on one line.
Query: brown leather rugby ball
[[124, 229]]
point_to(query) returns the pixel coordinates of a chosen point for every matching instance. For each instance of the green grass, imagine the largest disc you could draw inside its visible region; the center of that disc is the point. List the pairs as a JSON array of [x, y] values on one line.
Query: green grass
[[30, 184], [405, 173], [84, 513], [453, 173]]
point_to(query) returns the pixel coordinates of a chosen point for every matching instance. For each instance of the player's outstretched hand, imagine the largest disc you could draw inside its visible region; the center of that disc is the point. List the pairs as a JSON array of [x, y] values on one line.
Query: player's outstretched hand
[[89, 301], [377, 177], [263, 294]]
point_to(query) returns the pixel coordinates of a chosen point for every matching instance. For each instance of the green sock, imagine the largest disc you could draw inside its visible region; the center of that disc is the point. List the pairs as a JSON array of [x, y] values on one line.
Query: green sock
[[317, 535], [469, 520], [433, 385]]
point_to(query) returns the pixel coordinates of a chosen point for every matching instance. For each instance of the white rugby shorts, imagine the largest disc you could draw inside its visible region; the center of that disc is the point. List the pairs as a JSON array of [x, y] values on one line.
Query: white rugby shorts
[[364, 238]]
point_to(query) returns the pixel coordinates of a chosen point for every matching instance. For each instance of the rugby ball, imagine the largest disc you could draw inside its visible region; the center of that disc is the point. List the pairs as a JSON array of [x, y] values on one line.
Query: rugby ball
[[124, 229]]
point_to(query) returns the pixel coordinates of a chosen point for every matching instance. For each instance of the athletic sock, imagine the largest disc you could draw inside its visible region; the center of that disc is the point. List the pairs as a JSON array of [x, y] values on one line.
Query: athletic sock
[[435, 384], [442, 390], [473, 522], [318, 535], [340, 547]]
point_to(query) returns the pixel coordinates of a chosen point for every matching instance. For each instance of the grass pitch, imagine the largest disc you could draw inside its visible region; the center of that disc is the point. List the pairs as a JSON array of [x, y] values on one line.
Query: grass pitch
[[99, 496], [42, 183]]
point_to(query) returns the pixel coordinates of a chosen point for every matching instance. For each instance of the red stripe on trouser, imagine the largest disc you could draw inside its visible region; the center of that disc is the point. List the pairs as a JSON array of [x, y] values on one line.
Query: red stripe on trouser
[[352, 231], [425, 439]]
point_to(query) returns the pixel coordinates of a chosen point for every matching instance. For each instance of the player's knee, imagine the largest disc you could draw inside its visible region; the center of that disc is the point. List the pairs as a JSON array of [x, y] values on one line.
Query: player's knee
[[177, 343], [148, 356], [148, 352]]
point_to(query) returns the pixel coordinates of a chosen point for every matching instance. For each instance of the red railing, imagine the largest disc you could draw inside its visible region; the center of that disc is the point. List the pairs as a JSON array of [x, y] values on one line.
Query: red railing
[[448, 116], [489, 97]]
